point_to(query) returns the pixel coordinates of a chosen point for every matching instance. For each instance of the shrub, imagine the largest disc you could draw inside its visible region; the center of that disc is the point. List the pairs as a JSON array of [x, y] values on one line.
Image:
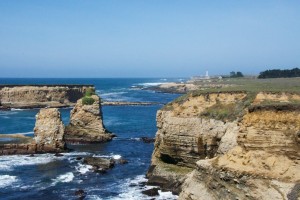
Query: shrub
[[87, 100], [89, 92]]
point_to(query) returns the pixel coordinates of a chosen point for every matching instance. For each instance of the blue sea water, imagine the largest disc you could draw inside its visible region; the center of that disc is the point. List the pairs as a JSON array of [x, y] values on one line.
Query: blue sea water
[[49, 177]]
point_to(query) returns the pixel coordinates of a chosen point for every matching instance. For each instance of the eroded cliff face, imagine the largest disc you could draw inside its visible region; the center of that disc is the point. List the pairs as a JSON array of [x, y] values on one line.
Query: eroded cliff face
[[253, 155], [86, 124], [40, 96]]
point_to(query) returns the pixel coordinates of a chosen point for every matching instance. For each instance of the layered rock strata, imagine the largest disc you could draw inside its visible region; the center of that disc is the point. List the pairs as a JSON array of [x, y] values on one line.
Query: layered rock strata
[[202, 152], [86, 124], [49, 136], [39, 96]]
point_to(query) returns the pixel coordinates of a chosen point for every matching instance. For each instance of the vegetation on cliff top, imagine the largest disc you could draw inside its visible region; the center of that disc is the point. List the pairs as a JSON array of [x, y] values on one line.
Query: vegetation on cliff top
[[87, 99], [250, 86]]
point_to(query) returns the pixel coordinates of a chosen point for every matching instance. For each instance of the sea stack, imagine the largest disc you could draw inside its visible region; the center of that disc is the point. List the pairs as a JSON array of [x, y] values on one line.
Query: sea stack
[[49, 131], [86, 124]]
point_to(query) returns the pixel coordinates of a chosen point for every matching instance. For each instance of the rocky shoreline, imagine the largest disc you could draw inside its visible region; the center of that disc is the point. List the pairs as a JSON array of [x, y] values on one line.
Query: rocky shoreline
[[228, 146]]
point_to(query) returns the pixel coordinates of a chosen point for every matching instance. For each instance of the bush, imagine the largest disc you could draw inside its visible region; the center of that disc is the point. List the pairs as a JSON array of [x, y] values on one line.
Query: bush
[[87, 100], [89, 92]]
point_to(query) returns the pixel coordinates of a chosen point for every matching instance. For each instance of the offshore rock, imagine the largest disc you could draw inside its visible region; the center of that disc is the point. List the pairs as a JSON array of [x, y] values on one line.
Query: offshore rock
[[86, 124], [100, 165], [49, 134], [49, 131]]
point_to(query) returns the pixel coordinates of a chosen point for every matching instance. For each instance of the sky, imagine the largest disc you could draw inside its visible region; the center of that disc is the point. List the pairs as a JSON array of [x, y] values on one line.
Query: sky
[[147, 38]]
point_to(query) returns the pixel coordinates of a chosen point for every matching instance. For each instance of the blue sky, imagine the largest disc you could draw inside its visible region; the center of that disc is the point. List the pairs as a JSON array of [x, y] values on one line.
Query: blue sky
[[146, 38]]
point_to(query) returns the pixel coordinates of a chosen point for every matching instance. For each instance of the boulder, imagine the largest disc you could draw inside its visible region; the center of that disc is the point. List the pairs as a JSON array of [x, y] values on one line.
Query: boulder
[[86, 124], [151, 192], [100, 165], [148, 140]]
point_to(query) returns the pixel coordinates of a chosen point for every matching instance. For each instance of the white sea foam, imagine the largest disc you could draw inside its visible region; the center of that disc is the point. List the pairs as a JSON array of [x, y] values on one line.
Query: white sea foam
[[117, 96], [64, 178], [116, 157], [6, 180], [8, 163], [16, 109], [113, 156], [150, 84], [26, 133], [83, 169], [132, 192]]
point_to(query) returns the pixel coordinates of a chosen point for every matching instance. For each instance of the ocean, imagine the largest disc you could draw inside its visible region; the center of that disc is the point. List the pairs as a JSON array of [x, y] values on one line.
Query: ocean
[[48, 177]]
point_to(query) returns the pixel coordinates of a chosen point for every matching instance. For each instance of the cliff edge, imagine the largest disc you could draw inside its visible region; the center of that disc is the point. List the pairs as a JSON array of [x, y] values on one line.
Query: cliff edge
[[40, 96], [229, 145]]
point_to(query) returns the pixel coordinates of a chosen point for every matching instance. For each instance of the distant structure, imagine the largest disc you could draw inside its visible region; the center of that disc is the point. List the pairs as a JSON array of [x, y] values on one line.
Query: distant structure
[[206, 77]]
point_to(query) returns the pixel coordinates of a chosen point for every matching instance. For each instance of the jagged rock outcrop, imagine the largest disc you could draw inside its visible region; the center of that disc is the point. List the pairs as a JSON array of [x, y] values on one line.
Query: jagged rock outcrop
[[48, 136], [39, 96], [49, 131], [86, 124], [253, 155]]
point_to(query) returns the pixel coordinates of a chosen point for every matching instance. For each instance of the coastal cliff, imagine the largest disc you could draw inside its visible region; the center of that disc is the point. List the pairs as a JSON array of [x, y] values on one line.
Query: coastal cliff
[[229, 145], [86, 124], [39, 96]]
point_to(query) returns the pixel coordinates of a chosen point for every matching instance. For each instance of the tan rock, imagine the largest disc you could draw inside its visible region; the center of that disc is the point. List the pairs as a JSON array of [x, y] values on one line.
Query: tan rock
[[37, 96], [86, 124], [49, 130], [254, 157]]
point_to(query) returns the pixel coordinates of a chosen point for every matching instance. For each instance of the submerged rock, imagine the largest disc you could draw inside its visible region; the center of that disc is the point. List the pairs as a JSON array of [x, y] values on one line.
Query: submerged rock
[[86, 124], [100, 165], [80, 193], [151, 192], [147, 139]]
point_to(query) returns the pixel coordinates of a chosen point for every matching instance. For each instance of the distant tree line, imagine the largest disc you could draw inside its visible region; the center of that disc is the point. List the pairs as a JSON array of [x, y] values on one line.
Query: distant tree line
[[277, 73], [236, 74]]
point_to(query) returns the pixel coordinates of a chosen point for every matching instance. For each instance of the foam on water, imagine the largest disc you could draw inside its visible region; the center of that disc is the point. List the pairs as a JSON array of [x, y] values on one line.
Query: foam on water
[[83, 169], [8, 163], [24, 133], [150, 84], [64, 178], [116, 157], [131, 189], [6, 180]]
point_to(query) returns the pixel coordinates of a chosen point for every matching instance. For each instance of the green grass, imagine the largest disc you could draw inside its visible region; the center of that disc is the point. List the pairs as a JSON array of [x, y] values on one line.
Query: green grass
[[228, 112], [89, 92], [87, 100], [291, 85], [249, 85]]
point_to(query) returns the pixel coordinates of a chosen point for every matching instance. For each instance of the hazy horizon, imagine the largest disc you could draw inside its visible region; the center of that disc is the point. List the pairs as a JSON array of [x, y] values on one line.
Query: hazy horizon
[[110, 39]]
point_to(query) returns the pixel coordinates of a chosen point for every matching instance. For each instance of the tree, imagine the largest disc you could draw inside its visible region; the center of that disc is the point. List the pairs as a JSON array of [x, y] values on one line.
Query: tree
[[239, 74], [277, 73], [232, 74], [236, 74]]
